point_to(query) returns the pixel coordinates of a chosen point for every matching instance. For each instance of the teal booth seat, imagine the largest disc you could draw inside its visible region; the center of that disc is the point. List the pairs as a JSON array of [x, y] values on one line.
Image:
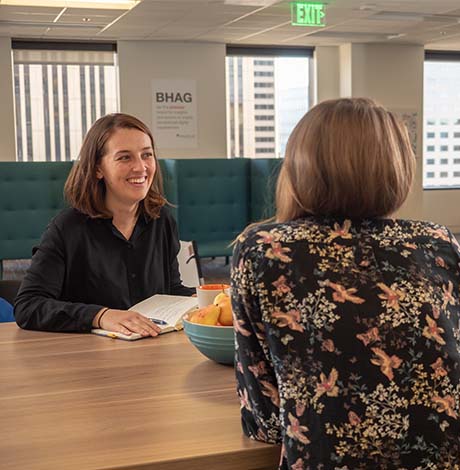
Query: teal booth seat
[[31, 194], [213, 200]]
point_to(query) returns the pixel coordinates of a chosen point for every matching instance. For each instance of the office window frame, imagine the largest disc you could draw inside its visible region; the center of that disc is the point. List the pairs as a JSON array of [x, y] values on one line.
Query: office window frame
[[440, 56], [61, 70], [264, 86]]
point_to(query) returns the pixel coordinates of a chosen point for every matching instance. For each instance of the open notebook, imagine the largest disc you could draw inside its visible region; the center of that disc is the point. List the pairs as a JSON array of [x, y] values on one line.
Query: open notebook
[[166, 310]]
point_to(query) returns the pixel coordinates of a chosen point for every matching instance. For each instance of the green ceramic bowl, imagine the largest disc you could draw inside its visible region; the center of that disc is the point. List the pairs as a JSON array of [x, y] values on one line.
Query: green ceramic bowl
[[215, 342]]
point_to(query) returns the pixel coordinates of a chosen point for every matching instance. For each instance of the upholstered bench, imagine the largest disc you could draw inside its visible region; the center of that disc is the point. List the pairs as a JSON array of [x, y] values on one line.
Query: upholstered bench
[[213, 200], [31, 194]]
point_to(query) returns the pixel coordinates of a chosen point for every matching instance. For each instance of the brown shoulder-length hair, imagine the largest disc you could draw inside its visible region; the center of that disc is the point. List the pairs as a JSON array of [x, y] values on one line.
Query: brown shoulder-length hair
[[346, 157], [85, 192]]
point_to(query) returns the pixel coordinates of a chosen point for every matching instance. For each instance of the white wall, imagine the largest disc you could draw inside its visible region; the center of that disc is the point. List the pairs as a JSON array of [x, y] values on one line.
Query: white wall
[[327, 73], [7, 128], [393, 76], [142, 61]]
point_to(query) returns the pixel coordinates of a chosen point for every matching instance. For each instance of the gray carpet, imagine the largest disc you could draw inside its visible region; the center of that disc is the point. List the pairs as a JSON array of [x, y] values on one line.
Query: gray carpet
[[214, 270]]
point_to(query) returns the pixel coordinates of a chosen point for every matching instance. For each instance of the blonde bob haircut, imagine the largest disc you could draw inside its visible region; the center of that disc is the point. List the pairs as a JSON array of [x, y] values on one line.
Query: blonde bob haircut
[[346, 158], [85, 192]]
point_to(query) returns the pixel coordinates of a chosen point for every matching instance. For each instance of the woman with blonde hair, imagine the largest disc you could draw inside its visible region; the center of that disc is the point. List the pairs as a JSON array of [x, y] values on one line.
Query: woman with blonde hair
[[347, 320], [116, 245]]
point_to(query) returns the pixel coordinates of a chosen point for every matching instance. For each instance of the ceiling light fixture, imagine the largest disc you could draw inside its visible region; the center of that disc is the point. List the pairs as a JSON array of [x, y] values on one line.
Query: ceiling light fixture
[[99, 4]]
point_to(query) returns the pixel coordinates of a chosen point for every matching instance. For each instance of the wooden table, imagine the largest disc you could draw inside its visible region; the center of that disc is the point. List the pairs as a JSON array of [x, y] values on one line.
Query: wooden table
[[70, 401]]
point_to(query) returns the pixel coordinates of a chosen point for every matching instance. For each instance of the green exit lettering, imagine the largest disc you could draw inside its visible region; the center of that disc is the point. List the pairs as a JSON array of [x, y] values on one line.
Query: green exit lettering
[[307, 14]]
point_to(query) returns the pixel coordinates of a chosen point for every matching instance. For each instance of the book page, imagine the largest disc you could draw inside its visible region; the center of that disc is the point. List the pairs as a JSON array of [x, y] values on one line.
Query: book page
[[168, 308]]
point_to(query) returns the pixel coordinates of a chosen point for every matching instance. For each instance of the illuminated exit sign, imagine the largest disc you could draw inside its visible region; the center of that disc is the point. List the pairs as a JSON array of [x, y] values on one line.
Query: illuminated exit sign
[[307, 14]]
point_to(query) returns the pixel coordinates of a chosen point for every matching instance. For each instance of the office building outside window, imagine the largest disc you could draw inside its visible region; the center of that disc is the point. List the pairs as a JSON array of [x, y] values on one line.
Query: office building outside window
[[266, 97], [59, 93], [441, 126]]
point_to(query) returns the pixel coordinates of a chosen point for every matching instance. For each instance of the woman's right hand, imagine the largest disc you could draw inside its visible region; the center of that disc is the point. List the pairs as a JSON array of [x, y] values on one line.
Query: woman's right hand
[[127, 322]]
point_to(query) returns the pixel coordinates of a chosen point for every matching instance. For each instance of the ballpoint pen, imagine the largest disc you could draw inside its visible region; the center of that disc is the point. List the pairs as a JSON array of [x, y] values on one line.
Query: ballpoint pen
[[157, 321]]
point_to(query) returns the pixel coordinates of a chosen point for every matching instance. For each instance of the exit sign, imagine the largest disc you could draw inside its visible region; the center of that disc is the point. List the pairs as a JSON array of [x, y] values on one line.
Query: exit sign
[[307, 14]]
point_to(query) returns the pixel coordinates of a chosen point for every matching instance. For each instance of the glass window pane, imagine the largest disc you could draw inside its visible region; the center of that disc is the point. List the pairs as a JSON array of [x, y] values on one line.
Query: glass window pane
[[58, 95], [266, 97], [441, 123]]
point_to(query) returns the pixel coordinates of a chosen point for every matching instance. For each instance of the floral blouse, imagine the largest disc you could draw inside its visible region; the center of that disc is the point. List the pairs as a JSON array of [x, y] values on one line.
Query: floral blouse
[[348, 343]]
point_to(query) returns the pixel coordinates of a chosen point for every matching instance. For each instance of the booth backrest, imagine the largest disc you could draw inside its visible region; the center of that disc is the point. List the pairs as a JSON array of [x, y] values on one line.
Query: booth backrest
[[214, 199], [31, 194]]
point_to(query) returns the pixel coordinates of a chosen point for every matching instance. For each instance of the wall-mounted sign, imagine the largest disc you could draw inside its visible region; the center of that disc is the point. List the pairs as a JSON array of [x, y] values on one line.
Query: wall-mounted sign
[[174, 113], [308, 14]]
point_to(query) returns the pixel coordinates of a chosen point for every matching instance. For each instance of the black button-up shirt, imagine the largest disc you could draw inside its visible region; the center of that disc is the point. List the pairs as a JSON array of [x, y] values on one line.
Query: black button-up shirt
[[84, 264]]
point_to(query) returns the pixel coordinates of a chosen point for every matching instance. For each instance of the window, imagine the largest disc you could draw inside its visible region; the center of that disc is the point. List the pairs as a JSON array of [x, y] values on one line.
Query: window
[[264, 118], [263, 62], [430, 161], [263, 85], [456, 174], [441, 102], [60, 90], [276, 91]]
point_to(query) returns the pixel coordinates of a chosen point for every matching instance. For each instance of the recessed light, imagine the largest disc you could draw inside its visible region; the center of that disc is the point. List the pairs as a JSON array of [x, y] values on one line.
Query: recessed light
[[86, 20]]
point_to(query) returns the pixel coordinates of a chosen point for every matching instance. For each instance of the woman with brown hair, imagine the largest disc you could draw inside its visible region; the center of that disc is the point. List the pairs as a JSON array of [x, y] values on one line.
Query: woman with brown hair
[[116, 245], [347, 321]]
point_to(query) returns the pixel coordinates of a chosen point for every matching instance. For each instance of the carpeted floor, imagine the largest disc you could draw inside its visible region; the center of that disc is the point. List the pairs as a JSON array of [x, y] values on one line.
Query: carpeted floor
[[214, 270]]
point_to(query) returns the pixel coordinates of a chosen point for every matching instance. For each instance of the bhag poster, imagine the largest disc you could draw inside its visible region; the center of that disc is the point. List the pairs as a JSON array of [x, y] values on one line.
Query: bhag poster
[[174, 122]]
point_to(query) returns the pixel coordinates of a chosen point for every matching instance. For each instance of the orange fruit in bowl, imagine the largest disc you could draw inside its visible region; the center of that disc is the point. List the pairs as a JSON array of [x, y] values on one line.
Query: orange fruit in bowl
[[223, 301], [205, 316]]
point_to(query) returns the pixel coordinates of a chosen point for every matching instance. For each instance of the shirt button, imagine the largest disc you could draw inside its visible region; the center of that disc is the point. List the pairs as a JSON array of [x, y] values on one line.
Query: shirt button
[[133, 275]]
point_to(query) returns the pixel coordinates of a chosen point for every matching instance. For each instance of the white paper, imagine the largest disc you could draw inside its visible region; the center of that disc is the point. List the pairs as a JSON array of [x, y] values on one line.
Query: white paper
[[169, 308]]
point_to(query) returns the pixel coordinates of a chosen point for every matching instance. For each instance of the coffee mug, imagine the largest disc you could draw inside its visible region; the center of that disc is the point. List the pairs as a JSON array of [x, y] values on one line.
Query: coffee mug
[[207, 293]]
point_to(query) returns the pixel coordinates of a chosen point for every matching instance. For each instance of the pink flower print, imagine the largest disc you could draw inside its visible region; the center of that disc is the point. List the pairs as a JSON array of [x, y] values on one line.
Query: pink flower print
[[391, 295], [341, 231], [281, 286], [327, 385], [290, 319], [448, 298], [278, 252], [267, 237], [258, 369], [269, 390], [370, 336], [386, 363], [433, 331], [296, 431], [342, 294]]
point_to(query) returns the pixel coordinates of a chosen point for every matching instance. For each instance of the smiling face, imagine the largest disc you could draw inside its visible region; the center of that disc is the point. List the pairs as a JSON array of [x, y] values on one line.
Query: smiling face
[[127, 168]]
